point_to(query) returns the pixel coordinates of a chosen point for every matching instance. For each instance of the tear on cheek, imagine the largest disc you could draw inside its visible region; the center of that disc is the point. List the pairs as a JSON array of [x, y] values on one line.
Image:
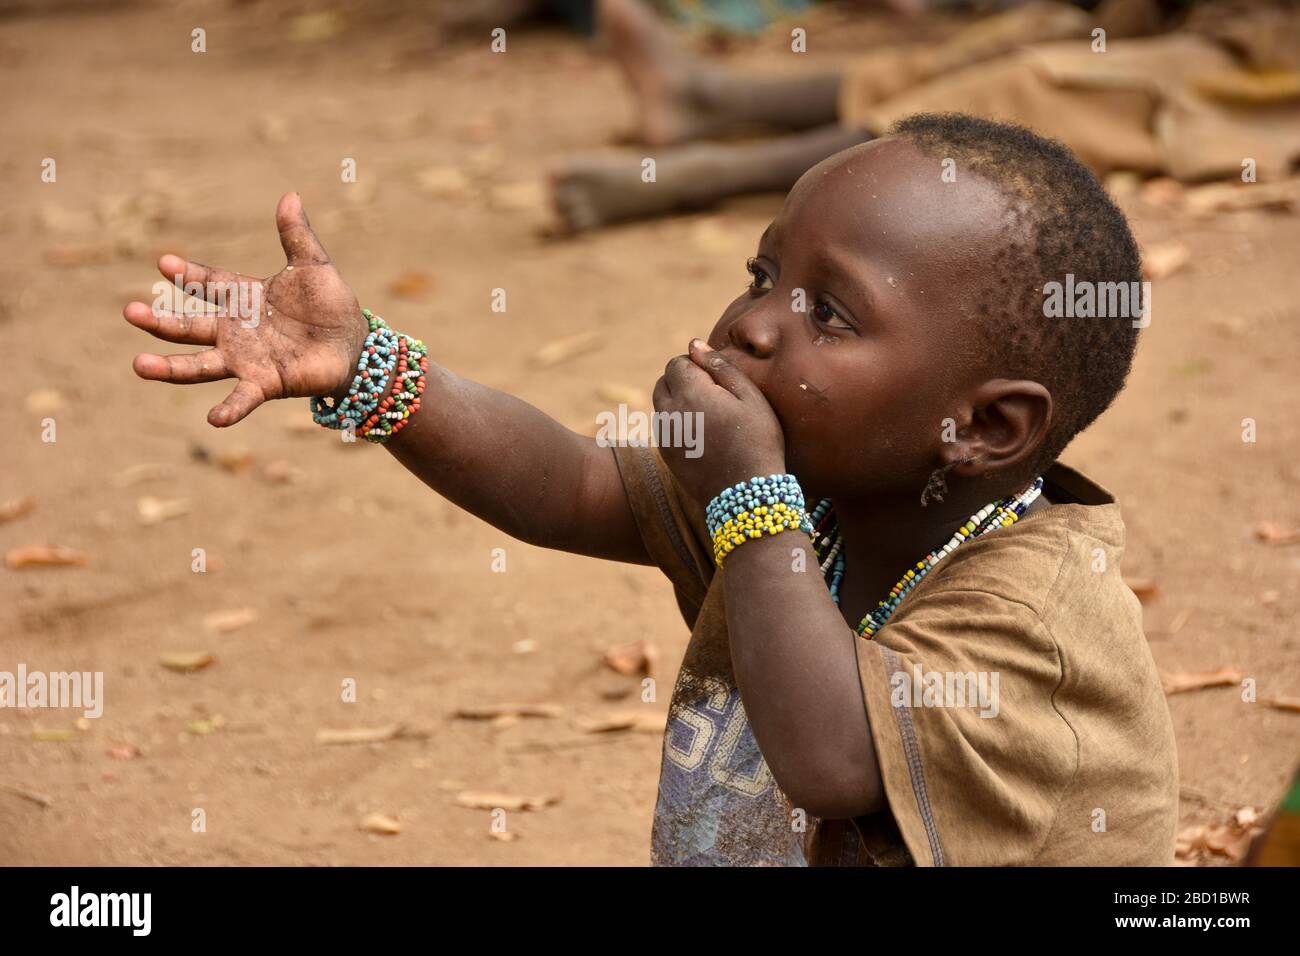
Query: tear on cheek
[[822, 339]]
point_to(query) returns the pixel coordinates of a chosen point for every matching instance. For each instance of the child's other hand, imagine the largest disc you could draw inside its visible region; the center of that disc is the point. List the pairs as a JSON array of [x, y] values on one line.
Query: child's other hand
[[740, 436], [296, 334]]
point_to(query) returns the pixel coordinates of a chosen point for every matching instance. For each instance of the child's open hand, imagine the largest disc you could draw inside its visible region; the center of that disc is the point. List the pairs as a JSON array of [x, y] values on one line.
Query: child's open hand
[[295, 334], [743, 437]]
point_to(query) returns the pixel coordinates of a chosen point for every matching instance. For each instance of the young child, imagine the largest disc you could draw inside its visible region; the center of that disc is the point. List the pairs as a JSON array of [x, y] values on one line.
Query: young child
[[1005, 710]]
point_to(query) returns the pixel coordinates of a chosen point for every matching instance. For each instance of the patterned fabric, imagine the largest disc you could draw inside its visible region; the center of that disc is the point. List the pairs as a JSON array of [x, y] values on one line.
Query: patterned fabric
[[718, 804]]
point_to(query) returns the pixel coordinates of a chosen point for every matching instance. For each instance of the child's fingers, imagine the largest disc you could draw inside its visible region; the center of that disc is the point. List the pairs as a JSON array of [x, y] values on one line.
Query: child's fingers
[[681, 373], [662, 394], [184, 273], [182, 328], [296, 236], [720, 370], [205, 366], [243, 399]]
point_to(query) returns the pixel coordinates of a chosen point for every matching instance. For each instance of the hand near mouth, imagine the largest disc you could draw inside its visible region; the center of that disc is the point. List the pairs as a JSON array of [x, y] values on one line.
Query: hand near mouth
[[740, 435]]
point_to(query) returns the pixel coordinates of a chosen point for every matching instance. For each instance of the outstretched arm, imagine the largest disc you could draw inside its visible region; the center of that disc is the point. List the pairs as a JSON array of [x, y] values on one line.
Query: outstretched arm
[[299, 333]]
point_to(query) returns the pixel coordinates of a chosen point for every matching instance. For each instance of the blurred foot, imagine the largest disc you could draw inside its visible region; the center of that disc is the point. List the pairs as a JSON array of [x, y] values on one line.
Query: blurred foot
[[593, 191], [667, 80]]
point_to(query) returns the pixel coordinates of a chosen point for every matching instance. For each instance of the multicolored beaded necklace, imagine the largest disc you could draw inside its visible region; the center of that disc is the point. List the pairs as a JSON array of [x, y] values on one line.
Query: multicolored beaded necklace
[[828, 542]]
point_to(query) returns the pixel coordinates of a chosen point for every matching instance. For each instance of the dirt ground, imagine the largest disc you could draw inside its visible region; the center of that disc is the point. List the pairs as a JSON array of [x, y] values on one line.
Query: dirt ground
[[159, 148]]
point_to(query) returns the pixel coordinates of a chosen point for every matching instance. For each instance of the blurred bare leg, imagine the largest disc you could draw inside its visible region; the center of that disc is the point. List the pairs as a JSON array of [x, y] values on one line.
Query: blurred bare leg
[[681, 97], [591, 191]]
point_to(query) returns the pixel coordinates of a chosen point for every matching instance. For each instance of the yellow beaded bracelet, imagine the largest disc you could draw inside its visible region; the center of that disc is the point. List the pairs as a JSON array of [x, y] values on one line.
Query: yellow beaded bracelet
[[765, 519]]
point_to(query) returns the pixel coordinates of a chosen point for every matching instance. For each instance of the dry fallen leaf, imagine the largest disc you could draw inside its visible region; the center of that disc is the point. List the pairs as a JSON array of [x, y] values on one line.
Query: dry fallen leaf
[[503, 836], [16, 508], [1207, 200], [146, 471], [1146, 589], [412, 285], [443, 182], [526, 646], [1176, 683], [54, 736], [646, 720], [1163, 191], [493, 711], [1282, 703], [610, 687], [151, 510], [379, 823], [222, 622], [234, 460], [1190, 840], [282, 472], [359, 735], [206, 725], [44, 555], [40, 799], [186, 661], [1250, 87], [43, 401], [493, 800], [123, 752], [1270, 533], [1164, 259], [634, 658], [561, 350], [1227, 840], [315, 27]]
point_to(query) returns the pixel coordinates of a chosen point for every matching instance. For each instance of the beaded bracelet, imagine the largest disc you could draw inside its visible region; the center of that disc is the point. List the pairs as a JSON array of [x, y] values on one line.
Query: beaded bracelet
[[386, 356], [747, 495], [762, 505], [374, 367], [397, 408]]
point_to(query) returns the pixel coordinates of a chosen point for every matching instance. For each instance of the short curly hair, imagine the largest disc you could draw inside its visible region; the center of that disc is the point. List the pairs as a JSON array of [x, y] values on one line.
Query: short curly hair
[[1062, 222]]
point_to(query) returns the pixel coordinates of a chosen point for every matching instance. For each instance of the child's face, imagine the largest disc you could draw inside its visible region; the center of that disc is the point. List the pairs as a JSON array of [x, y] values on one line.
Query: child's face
[[885, 255]]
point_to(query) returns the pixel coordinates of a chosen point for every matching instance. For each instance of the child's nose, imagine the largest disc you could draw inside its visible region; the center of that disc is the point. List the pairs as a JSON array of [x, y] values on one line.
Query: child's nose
[[756, 332]]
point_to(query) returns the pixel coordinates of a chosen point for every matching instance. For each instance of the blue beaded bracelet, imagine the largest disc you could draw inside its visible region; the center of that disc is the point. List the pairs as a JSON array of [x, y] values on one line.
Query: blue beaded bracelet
[[760, 491], [374, 368]]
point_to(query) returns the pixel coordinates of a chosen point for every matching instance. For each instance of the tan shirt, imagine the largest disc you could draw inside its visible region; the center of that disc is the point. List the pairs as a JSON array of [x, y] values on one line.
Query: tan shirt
[[1016, 711]]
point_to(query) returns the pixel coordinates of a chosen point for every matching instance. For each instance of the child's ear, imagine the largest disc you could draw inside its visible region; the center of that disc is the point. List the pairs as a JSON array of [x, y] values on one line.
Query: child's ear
[[1009, 421]]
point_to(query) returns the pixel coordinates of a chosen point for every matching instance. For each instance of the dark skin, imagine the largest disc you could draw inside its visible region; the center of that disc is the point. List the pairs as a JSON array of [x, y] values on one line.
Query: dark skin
[[887, 257]]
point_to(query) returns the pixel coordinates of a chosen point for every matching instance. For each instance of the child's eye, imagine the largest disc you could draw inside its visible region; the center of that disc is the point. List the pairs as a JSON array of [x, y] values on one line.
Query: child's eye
[[829, 317], [762, 281]]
